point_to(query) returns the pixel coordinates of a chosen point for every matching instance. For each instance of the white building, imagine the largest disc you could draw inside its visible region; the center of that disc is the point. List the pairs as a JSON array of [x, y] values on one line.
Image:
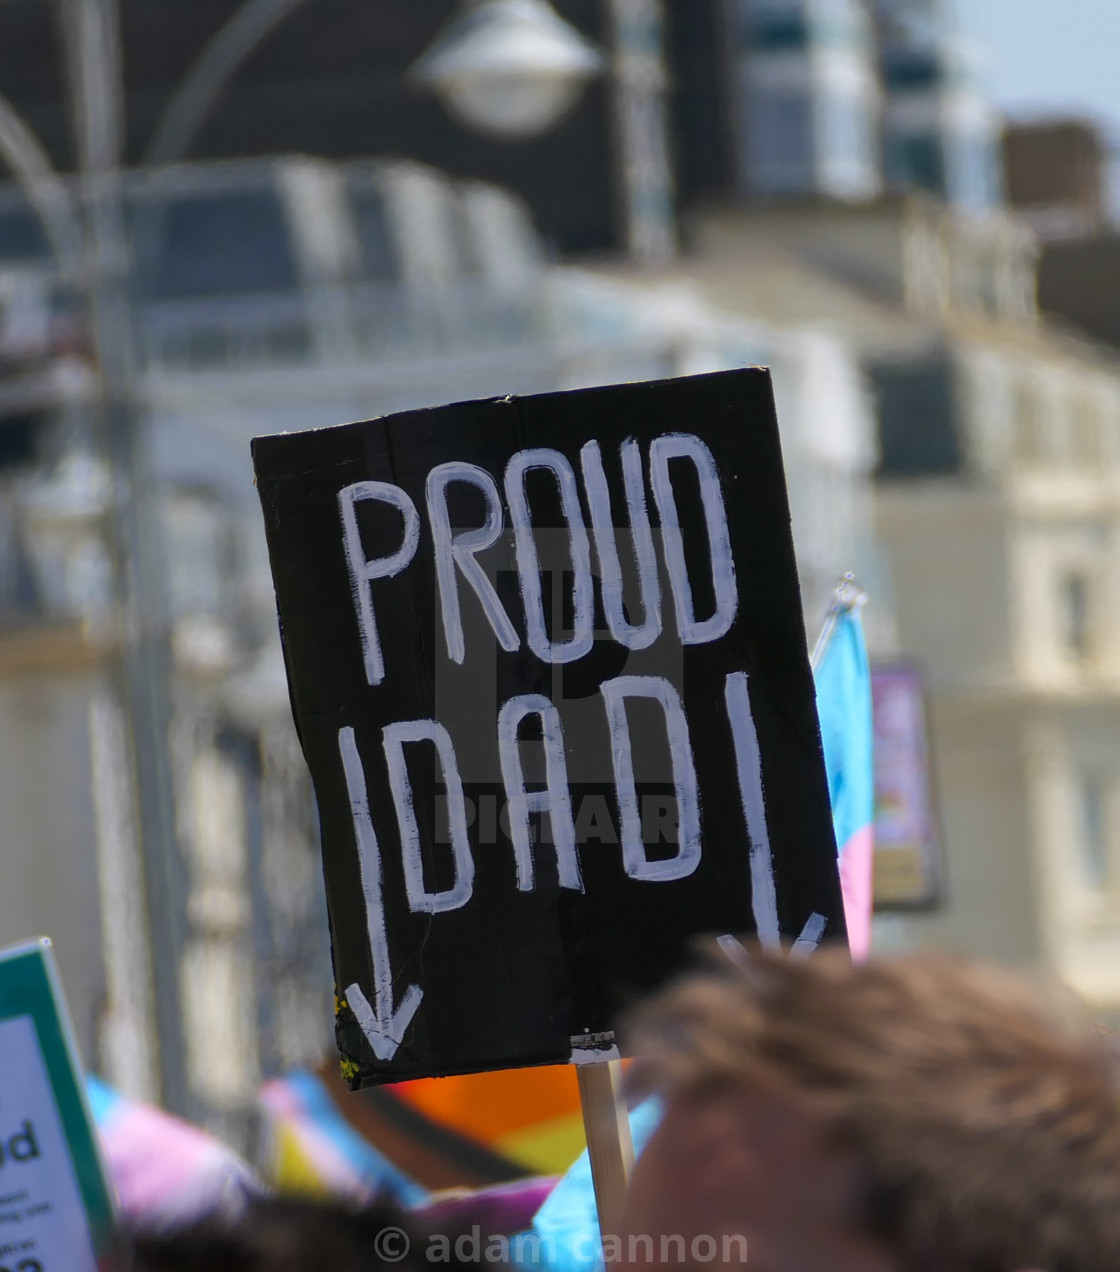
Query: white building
[[808, 98], [940, 133]]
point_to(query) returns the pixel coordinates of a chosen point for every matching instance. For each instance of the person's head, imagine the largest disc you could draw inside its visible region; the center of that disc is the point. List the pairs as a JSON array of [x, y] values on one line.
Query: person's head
[[912, 1115], [289, 1235]]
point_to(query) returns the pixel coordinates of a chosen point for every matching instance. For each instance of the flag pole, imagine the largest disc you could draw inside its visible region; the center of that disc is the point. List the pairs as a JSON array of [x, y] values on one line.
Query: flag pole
[[610, 1149], [846, 596]]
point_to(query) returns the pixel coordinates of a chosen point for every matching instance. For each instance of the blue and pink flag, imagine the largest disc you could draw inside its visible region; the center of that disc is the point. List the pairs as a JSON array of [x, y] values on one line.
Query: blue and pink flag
[[166, 1172], [843, 680]]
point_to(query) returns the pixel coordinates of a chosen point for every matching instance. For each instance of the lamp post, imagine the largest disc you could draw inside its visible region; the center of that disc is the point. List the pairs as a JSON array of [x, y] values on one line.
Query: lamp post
[[91, 34], [510, 68]]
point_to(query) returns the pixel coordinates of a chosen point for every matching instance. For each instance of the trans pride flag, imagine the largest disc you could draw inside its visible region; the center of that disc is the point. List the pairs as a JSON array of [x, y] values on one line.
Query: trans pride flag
[[843, 680], [314, 1151], [166, 1172]]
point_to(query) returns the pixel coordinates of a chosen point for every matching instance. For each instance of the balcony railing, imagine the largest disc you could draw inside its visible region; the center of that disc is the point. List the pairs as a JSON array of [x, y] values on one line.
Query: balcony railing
[[367, 321]]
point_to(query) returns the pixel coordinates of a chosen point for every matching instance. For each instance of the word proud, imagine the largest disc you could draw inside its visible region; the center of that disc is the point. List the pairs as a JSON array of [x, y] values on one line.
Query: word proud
[[457, 551]]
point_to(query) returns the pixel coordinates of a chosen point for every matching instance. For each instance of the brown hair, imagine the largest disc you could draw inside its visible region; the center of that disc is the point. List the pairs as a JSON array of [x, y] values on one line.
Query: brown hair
[[985, 1116], [292, 1235]]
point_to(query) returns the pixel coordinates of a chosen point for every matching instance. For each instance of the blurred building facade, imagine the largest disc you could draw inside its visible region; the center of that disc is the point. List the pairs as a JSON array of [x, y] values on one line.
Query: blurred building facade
[[994, 428], [1057, 173], [994, 507], [341, 247], [995, 425], [773, 97], [272, 294]]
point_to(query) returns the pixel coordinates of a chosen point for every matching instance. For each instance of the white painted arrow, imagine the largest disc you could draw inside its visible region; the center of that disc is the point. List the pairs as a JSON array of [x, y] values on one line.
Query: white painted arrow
[[383, 1026], [748, 759], [764, 900]]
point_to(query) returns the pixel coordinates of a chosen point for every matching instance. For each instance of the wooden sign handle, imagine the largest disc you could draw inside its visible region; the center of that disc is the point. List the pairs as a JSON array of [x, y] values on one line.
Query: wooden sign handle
[[609, 1146]]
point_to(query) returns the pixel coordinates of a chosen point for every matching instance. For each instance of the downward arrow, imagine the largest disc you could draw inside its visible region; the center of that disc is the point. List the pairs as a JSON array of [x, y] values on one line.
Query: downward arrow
[[383, 1026], [764, 901], [748, 759], [805, 944]]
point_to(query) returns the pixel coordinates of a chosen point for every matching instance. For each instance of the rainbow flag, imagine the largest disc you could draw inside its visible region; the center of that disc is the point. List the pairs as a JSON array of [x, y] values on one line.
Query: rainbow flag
[[843, 680], [531, 1117], [412, 1141]]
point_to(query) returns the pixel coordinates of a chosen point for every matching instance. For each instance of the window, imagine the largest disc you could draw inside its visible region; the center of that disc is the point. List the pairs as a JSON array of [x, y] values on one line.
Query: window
[[918, 433], [379, 250], [916, 159], [221, 245], [773, 27], [1074, 615], [1092, 832], [20, 438], [1086, 433], [1029, 424], [780, 142], [22, 236], [912, 70]]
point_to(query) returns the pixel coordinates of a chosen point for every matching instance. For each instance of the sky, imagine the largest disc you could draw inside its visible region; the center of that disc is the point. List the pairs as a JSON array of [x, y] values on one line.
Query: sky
[[1048, 56]]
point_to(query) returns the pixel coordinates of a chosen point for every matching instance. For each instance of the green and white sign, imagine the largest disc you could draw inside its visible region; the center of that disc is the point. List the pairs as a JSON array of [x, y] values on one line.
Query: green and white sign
[[56, 1209]]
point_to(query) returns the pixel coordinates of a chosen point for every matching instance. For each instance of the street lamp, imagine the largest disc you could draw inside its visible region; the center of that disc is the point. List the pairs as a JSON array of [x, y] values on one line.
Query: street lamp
[[510, 68]]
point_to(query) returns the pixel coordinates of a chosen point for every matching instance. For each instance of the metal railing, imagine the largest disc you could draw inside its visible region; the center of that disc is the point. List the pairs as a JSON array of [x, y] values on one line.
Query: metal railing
[[314, 325]]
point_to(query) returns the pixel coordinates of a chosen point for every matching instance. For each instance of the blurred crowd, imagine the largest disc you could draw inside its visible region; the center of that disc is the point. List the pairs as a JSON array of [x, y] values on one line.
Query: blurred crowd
[[910, 1115]]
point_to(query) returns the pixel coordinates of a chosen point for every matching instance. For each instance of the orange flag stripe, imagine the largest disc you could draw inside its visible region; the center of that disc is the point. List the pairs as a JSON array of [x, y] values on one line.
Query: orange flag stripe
[[493, 1106]]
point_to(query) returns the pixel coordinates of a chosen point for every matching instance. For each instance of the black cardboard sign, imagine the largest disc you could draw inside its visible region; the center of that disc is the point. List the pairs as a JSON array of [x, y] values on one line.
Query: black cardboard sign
[[547, 662]]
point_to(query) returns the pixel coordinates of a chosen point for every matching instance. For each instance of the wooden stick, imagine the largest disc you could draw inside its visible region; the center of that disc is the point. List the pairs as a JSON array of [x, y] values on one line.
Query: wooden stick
[[609, 1146]]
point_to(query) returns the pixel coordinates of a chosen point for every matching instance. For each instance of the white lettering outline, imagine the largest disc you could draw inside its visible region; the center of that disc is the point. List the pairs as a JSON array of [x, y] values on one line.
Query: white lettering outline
[[383, 1026], [363, 571], [555, 799], [460, 550], [748, 763], [687, 446], [420, 900], [634, 859], [606, 544], [528, 562]]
